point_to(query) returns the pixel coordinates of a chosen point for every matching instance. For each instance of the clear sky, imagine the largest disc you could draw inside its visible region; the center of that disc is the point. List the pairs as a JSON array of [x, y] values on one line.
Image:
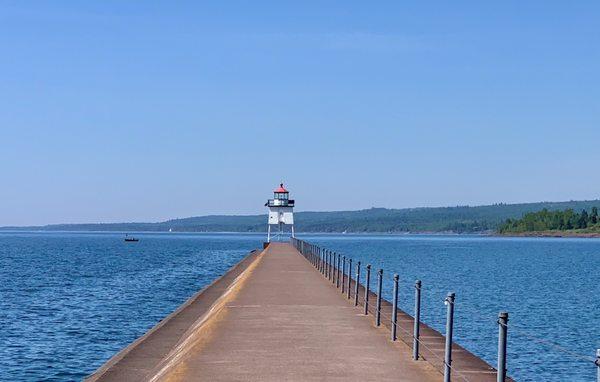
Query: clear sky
[[145, 110]]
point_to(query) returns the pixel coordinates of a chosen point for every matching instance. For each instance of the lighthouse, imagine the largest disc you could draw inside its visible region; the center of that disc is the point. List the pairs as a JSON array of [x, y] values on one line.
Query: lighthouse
[[280, 211]]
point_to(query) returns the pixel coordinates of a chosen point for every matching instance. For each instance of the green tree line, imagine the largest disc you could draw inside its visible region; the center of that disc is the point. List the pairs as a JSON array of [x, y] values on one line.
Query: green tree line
[[546, 220]]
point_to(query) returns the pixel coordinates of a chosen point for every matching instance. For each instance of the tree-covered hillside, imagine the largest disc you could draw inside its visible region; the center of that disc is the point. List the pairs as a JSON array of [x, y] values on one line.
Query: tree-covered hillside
[[461, 219], [544, 220]]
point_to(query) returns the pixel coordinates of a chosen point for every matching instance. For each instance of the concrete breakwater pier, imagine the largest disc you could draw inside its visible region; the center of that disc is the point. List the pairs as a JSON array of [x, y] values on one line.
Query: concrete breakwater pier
[[289, 312]]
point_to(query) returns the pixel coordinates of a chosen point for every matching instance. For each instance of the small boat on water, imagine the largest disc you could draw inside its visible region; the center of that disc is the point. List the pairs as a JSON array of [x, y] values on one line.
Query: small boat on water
[[130, 238]]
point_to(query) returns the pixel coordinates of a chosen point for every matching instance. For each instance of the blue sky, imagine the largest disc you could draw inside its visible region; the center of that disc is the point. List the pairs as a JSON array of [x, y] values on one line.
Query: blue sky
[[142, 111]]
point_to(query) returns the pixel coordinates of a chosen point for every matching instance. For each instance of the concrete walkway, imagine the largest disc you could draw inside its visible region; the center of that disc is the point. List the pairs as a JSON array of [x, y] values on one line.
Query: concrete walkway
[[281, 321]]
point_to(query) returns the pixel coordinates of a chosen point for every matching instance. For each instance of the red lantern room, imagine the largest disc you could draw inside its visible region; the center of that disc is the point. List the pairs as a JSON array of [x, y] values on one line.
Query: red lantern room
[[281, 198]]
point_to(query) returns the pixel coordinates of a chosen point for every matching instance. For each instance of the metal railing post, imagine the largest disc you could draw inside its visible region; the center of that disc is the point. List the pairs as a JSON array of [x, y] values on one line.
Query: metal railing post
[[417, 320], [449, 327], [318, 258], [367, 288], [318, 255], [379, 285], [332, 263], [337, 280], [356, 283], [332, 278], [328, 265], [343, 273], [502, 332], [395, 307], [329, 260], [334, 267], [349, 276]]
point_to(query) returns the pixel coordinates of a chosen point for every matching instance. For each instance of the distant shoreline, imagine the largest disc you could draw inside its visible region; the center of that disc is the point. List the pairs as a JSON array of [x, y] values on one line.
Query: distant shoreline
[[589, 235], [538, 234], [459, 220], [256, 233]]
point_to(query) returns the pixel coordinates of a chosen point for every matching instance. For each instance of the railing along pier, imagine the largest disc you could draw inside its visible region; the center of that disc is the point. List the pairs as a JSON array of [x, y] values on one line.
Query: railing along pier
[[333, 267]]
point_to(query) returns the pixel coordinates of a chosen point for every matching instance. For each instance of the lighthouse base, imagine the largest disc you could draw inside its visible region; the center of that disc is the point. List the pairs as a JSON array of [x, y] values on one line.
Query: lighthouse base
[[280, 232]]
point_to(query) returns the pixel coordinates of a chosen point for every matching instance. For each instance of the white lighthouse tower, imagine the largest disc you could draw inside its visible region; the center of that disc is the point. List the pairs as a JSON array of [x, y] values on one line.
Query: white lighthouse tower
[[280, 211]]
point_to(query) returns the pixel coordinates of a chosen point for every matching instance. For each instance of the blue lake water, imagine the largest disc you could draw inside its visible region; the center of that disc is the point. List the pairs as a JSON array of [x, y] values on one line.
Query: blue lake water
[[69, 301]]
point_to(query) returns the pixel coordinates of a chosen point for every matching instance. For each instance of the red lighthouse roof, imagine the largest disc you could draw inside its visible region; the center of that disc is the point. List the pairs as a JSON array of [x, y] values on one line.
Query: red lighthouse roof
[[281, 189]]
